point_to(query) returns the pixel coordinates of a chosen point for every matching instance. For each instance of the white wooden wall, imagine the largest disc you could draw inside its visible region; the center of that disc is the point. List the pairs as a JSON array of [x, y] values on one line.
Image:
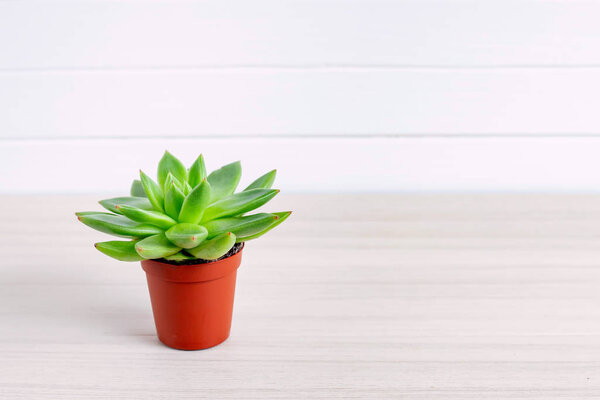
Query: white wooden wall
[[363, 95]]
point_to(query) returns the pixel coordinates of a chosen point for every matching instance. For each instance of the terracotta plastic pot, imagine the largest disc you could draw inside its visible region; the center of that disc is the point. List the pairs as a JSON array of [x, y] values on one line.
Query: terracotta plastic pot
[[192, 304]]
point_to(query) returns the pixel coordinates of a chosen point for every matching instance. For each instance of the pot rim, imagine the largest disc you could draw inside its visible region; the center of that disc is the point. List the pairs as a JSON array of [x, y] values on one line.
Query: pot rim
[[193, 272]]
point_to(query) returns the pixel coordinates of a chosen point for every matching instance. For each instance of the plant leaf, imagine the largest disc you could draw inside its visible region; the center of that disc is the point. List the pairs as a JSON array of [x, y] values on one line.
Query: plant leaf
[[137, 189], [172, 179], [173, 200], [170, 163], [195, 203], [186, 188], [240, 226], [148, 217], [121, 250], [83, 213], [264, 182], [282, 216], [238, 203], [153, 191], [197, 172], [186, 235], [156, 246], [224, 180], [117, 225], [181, 256], [215, 247], [139, 202]]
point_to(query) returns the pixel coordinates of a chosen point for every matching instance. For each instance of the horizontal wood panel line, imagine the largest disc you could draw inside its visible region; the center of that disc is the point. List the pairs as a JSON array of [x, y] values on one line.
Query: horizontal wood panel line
[[316, 165], [308, 136], [292, 67]]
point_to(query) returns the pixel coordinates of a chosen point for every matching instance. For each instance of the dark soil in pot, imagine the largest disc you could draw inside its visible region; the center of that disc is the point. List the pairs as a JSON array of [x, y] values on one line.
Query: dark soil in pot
[[234, 250]]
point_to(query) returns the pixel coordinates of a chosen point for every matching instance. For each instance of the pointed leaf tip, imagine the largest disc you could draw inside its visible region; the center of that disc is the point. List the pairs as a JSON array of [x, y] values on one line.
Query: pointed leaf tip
[[263, 182], [156, 246], [224, 180], [186, 235], [115, 203], [119, 250], [240, 226], [153, 191], [281, 216], [117, 225], [239, 203], [170, 165], [214, 248], [197, 172]]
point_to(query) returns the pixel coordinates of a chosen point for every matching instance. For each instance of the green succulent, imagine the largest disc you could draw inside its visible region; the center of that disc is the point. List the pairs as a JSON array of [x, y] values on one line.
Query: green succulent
[[185, 214]]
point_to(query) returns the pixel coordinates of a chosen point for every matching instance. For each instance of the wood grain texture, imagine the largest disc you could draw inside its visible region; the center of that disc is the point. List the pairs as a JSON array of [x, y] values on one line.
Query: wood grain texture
[[356, 296]]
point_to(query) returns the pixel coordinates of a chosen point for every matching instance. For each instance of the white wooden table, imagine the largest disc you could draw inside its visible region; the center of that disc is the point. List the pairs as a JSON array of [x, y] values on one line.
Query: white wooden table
[[359, 296]]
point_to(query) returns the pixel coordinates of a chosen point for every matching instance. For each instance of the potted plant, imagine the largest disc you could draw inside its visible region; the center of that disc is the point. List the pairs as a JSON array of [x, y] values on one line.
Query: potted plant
[[188, 230]]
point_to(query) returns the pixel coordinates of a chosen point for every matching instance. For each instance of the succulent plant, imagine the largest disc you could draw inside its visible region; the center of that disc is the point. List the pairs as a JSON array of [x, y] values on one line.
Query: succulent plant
[[185, 214]]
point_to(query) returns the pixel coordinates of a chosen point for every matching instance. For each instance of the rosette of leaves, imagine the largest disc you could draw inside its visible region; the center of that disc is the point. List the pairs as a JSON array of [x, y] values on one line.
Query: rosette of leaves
[[185, 214]]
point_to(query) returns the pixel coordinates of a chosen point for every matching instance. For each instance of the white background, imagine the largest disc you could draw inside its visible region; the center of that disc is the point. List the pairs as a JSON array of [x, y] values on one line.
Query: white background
[[339, 96]]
